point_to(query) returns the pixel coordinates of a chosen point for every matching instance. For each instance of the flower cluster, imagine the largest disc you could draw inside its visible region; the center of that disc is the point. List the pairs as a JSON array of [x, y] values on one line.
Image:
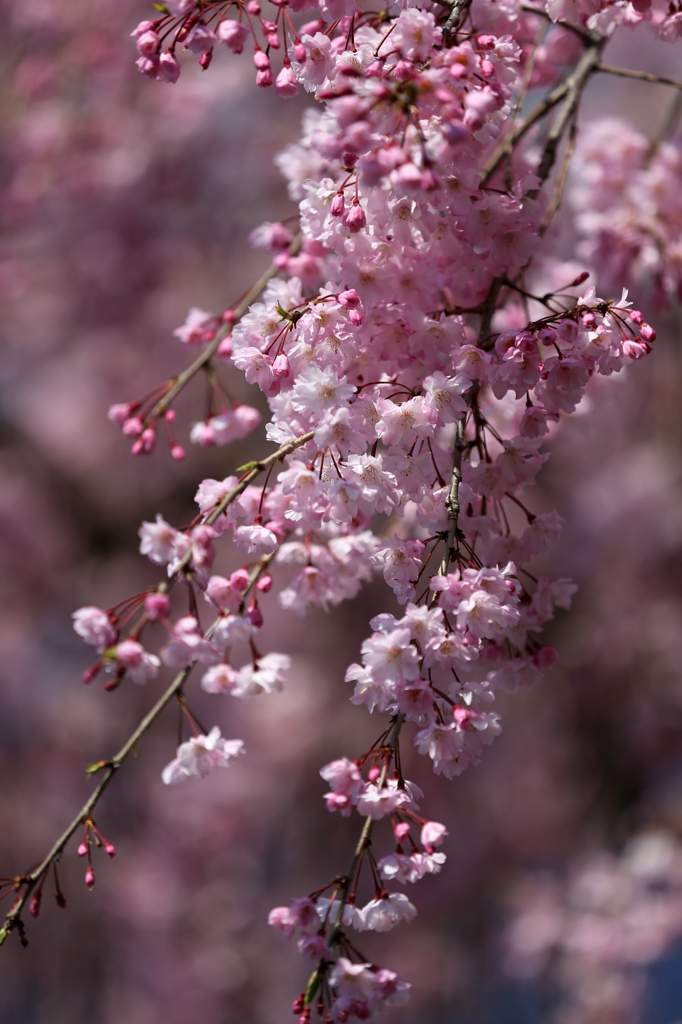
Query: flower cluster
[[410, 373]]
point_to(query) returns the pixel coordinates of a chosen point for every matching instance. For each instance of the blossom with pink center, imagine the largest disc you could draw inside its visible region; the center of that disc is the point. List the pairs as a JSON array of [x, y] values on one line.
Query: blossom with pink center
[[188, 644]]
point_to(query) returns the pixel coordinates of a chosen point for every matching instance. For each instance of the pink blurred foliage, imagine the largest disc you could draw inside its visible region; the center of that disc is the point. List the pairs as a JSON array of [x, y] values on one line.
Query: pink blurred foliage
[[123, 204]]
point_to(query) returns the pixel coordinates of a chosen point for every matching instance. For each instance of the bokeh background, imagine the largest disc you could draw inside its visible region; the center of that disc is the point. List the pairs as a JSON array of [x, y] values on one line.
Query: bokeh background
[[122, 203]]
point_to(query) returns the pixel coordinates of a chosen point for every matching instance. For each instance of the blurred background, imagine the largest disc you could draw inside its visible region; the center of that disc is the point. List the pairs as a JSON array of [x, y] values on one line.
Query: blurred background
[[123, 202]]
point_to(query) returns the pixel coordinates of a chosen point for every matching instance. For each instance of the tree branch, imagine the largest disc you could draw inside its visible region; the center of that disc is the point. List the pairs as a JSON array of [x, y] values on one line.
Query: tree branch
[[640, 76]]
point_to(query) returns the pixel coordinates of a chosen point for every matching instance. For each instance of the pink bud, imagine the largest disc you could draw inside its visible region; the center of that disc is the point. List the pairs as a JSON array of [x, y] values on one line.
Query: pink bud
[[375, 69], [261, 60], [300, 52], [157, 606], [486, 42], [355, 317], [120, 413], [264, 583], [205, 59], [147, 66], [171, 415], [580, 278], [253, 7], [338, 205], [34, 905], [254, 614], [487, 69], [286, 85], [634, 314], [264, 79], [589, 321], [82, 849], [281, 366], [273, 40], [169, 68], [110, 848], [89, 877], [132, 427], [148, 438], [401, 830], [138, 447], [647, 332], [178, 453], [374, 773], [147, 43], [144, 26], [91, 672], [298, 1003], [350, 298], [282, 260], [355, 219], [225, 348]]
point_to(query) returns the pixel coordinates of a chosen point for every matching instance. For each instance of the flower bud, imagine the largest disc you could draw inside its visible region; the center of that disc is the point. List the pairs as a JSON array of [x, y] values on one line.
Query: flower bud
[[486, 42], [588, 321], [120, 413], [132, 427], [109, 848], [487, 68], [647, 332], [253, 7], [300, 52], [264, 79], [178, 453], [281, 366], [254, 614], [264, 583], [89, 877], [355, 219], [374, 773], [168, 69], [338, 205], [261, 60], [636, 317], [298, 1003], [147, 43], [286, 85], [401, 830], [157, 606], [205, 59], [82, 849], [34, 905]]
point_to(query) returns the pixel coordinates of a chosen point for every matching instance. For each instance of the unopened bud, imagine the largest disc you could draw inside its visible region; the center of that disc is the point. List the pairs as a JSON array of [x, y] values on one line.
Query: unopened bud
[[34, 905], [401, 830], [355, 219], [486, 42], [157, 606], [338, 205], [589, 321], [374, 773], [261, 60], [224, 349], [91, 672], [82, 849], [355, 317], [109, 848], [89, 877], [254, 614], [300, 52], [253, 7], [298, 1003], [264, 583], [487, 68], [178, 453], [264, 78], [132, 427], [647, 332], [281, 366], [60, 899], [579, 279]]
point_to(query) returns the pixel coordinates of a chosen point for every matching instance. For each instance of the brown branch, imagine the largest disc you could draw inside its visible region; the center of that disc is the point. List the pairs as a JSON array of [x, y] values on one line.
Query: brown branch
[[561, 181], [13, 917], [641, 76]]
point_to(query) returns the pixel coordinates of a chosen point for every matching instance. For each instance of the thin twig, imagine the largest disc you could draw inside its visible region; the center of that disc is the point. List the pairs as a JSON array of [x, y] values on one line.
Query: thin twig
[[206, 356], [641, 76], [13, 917]]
